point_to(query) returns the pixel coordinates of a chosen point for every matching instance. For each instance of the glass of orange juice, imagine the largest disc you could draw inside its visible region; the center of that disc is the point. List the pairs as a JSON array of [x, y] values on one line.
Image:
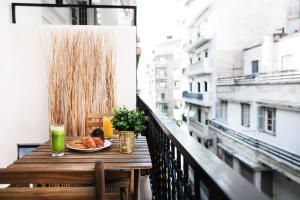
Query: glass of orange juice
[[107, 127]]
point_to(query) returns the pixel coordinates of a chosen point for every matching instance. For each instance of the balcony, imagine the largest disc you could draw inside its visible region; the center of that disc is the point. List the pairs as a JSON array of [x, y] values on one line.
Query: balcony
[[199, 128], [195, 42], [192, 95], [199, 68], [262, 78], [202, 99], [265, 149], [179, 163]]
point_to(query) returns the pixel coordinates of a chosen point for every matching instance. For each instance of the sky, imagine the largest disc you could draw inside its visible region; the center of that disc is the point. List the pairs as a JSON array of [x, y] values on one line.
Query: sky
[[156, 19]]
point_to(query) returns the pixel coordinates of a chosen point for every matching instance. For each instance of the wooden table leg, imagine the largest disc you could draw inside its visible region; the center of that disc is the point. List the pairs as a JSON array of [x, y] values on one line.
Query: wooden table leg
[[132, 181], [136, 184]]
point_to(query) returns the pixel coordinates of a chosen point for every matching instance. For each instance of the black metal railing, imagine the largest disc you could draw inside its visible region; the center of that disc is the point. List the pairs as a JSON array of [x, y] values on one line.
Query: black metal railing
[[59, 4], [263, 146], [191, 95], [183, 169], [259, 78]]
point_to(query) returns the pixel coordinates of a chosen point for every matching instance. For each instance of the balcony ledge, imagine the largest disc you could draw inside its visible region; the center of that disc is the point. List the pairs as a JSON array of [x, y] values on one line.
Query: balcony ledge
[[198, 68], [267, 152], [197, 102], [197, 43]]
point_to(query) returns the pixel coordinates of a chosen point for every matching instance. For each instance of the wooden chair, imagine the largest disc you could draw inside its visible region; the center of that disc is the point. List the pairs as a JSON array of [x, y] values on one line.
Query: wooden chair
[[118, 181], [95, 120], [90, 185]]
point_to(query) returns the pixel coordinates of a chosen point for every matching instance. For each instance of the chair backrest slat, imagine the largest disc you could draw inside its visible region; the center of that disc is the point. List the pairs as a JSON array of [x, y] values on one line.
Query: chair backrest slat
[[95, 120], [29, 175], [49, 193], [95, 179]]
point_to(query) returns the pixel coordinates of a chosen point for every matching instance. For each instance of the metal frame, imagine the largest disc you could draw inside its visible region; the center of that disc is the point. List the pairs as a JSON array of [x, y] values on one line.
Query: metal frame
[[59, 5], [26, 146]]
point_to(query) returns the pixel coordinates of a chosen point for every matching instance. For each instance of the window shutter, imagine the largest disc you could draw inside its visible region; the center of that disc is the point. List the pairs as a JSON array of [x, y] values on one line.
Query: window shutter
[[225, 112], [217, 110], [221, 113], [261, 118], [242, 114], [247, 117], [274, 120]]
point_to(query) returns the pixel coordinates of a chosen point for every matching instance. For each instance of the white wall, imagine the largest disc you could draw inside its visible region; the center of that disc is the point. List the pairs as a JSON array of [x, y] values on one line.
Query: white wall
[[250, 55], [287, 126], [243, 24], [126, 66], [289, 45], [270, 54], [23, 84]]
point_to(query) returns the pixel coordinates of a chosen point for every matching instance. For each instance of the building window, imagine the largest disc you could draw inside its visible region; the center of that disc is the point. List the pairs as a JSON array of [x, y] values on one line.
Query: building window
[[255, 66], [191, 86], [199, 140], [206, 53], [270, 120], [163, 85], [245, 115], [191, 133], [191, 60], [228, 159], [163, 96], [205, 86], [164, 108], [267, 119], [199, 115], [199, 87], [247, 172], [221, 111], [293, 8], [286, 62], [208, 143], [184, 118]]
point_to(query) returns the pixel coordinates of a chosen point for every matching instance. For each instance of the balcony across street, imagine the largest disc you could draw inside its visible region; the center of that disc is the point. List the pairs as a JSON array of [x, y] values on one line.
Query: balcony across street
[[191, 95]]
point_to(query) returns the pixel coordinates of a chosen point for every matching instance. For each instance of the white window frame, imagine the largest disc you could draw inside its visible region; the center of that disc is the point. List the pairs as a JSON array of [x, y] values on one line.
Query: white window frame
[[272, 120], [245, 114], [293, 8], [221, 111]]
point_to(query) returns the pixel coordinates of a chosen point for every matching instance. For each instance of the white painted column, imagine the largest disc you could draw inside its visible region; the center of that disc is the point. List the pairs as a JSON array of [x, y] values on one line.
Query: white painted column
[[257, 179]]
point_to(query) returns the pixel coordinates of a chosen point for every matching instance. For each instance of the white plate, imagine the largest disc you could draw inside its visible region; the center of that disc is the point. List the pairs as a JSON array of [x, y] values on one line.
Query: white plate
[[107, 143]]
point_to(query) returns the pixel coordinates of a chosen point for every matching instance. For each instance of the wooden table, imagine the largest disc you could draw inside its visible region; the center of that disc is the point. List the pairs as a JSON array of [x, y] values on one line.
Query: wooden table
[[138, 160]]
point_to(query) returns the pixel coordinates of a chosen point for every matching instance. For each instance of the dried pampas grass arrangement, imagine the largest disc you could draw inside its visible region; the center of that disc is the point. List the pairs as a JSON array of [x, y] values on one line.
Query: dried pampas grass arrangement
[[81, 77]]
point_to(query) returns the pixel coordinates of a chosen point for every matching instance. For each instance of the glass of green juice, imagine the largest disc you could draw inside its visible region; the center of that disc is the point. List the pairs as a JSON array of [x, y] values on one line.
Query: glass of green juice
[[57, 139]]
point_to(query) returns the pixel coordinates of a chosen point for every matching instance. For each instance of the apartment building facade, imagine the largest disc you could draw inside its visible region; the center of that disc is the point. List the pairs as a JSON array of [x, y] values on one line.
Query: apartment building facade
[[256, 125], [257, 119], [164, 76], [214, 38]]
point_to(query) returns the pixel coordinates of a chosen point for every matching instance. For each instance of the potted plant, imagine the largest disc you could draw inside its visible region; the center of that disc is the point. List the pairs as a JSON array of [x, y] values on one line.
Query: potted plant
[[129, 123]]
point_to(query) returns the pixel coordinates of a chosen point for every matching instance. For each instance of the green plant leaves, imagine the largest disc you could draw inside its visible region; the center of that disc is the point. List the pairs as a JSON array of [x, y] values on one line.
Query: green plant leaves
[[129, 120]]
